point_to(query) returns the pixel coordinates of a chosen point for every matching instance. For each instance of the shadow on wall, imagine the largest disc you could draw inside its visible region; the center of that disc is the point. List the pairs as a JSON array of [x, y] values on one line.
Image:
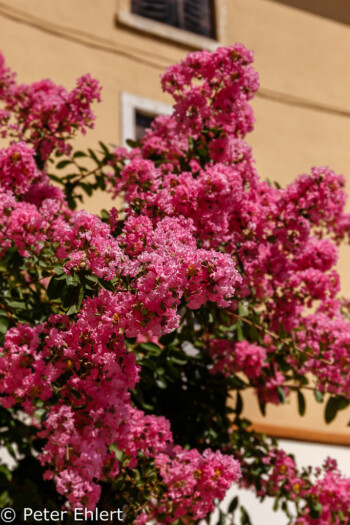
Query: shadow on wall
[[338, 10]]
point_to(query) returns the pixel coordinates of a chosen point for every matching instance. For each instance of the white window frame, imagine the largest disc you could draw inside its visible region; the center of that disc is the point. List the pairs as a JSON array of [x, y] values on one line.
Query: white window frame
[[125, 17], [130, 104]]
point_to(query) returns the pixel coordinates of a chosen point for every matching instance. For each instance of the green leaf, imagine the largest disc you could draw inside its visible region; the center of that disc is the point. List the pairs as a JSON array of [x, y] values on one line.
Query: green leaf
[[104, 148], [11, 450], [245, 519], [151, 348], [104, 215], [55, 178], [94, 156], [69, 296], [315, 509], [276, 505], [4, 499], [17, 305], [301, 403], [58, 270], [107, 285], [118, 453], [283, 333], [222, 518], [4, 323], [343, 403], [80, 298], [63, 163], [262, 407], [335, 404], [239, 404], [71, 202], [240, 335], [69, 177], [73, 309], [242, 310], [178, 360], [254, 334], [318, 396], [78, 154], [54, 290], [87, 188], [281, 394], [72, 279], [100, 181], [331, 409], [233, 505], [132, 143]]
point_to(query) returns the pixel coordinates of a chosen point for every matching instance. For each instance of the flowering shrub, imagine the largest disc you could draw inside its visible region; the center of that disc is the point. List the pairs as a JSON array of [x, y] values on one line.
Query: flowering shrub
[[124, 334]]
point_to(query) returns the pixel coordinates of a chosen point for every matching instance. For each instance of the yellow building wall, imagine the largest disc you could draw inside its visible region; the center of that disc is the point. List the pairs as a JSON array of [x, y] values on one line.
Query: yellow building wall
[[302, 111]]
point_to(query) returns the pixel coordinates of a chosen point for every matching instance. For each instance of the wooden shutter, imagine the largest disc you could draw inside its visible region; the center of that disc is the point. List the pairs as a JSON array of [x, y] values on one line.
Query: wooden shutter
[[160, 10], [198, 17]]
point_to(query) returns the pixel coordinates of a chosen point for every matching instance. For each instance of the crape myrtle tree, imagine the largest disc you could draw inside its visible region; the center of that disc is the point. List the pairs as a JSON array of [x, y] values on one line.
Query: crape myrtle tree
[[124, 335]]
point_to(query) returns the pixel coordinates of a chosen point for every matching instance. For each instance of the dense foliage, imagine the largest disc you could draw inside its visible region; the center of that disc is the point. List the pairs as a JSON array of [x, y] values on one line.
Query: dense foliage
[[124, 335]]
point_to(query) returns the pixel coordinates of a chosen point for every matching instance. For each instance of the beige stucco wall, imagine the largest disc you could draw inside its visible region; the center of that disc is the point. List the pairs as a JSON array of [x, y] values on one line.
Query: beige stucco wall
[[298, 54]]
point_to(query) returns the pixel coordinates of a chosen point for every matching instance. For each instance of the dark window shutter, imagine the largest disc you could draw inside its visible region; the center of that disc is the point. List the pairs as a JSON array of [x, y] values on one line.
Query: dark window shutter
[[198, 17], [160, 10], [195, 16], [143, 121]]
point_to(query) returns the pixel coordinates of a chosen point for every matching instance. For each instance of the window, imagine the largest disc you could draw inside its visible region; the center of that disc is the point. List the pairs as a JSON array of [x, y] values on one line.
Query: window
[[137, 114], [198, 24], [142, 123], [196, 16]]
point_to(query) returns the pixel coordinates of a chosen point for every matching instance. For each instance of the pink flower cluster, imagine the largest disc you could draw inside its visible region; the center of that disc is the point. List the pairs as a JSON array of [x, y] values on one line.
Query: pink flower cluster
[[251, 359], [81, 374], [327, 337], [283, 240], [73, 374], [212, 89], [194, 481], [44, 114], [18, 169], [244, 357], [199, 226], [211, 93], [329, 490], [283, 474], [332, 490], [87, 366]]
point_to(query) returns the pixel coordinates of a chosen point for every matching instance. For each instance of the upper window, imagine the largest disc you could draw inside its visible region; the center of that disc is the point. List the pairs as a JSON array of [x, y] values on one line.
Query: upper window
[[196, 16], [198, 24]]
